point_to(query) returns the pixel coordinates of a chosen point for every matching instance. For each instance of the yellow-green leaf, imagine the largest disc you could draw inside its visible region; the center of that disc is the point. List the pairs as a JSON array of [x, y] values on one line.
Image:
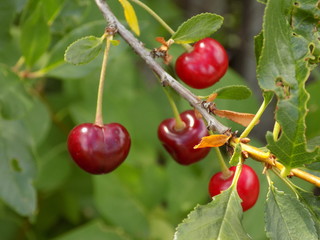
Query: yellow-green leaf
[[130, 16]]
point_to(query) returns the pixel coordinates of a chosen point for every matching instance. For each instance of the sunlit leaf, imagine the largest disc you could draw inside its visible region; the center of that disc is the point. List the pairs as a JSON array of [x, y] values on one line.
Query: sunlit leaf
[[215, 140], [130, 16]]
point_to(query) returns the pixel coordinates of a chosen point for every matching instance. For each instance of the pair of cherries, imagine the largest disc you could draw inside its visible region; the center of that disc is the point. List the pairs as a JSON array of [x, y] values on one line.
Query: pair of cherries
[[179, 144], [200, 68]]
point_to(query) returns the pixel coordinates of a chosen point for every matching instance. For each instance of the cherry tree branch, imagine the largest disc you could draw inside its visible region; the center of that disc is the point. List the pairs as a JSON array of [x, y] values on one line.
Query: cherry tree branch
[[165, 78], [202, 107]]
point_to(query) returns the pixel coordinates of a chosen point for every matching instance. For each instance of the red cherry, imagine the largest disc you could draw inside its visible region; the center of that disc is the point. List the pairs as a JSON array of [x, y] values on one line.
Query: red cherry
[[99, 149], [180, 143], [204, 66], [248, 186]]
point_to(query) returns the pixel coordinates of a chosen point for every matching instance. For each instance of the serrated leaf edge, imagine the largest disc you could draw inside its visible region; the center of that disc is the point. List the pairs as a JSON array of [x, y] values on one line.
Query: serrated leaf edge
[[199, 207], [273, 189], [190, 19], [80, 39]]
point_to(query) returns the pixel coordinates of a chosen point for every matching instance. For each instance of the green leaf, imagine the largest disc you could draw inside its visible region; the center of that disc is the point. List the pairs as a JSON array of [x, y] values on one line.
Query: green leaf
[[258, 44], [53, 169], [56, 54], [312, 203], [84, 50], [197, 28], [305, 17], [36, 36], [117, 203], [7, 10], [37, 121], [313, 168], [286, 217], [17, 168], [284, 68], [314, 142], [219, 219], [236, 92], [52, 8], [313, 126], [94, 230], [14, 100]]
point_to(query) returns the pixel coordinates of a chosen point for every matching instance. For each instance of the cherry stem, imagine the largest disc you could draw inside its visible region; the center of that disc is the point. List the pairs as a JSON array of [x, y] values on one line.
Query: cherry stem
[[165, 78], [256, 118], [153, 14], [99, 118], [179, 124], [237, 174], [226, 173], [161, 21]]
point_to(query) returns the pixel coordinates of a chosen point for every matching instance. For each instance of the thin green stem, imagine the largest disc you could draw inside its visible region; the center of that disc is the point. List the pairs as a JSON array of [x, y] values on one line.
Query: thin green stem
[[268, 178], [153, 14], [99, 118], [276, 131], [180, 125], [160, 20], [237, 174], [286, 181], [255, 120], [226, 173], [19, 63]]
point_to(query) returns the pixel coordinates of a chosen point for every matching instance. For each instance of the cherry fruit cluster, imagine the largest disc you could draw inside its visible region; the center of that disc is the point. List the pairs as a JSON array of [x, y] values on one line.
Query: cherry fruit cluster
[[201, 68], [99, 149]]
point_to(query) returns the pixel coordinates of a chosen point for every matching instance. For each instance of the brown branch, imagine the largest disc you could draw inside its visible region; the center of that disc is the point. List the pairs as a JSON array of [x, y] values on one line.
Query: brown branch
[[165, 78]]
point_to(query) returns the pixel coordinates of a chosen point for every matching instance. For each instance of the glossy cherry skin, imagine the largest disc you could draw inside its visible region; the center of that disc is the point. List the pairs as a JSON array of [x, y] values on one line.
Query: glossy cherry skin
[[248, 186], [99, 149], [204, 66], [180, 143]]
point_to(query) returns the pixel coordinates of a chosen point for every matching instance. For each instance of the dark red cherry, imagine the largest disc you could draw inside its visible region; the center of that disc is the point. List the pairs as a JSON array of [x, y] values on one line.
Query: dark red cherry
[[248, 186], [204, 66], [180, 143], [99, 149]]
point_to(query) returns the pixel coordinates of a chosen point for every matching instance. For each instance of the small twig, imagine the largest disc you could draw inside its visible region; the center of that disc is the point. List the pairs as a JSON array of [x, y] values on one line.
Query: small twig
[[165, 78], [266, 157]]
